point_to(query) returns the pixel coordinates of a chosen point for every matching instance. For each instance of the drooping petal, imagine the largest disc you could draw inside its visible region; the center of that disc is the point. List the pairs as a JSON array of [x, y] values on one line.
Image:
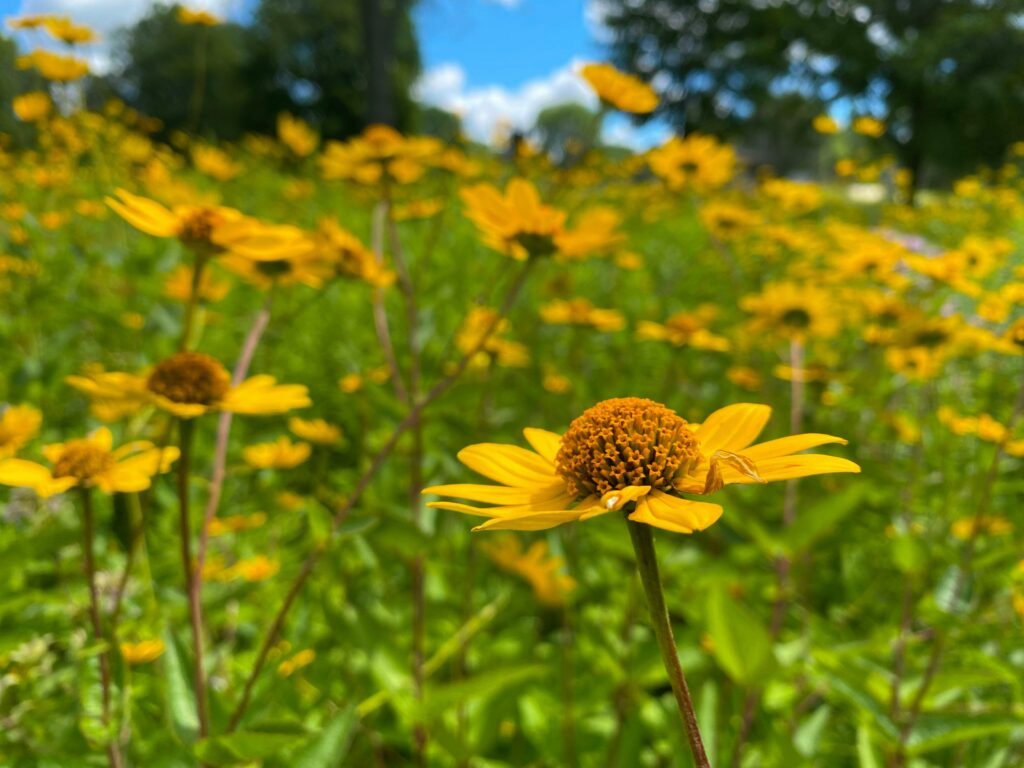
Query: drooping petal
[[732, 428], [674, 514], [543, 442], [785, 446], [498, 494], [789, 467], [181, 410], [145, 215], [508, 464]]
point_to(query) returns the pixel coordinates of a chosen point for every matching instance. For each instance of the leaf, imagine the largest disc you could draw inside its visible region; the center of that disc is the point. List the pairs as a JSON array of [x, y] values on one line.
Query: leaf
[[439, 699], [740, 642], [866, 755], [328, 747], [244, 746], [707, 716], [821, 519], [181, 703], [935, 730], [808, 735]]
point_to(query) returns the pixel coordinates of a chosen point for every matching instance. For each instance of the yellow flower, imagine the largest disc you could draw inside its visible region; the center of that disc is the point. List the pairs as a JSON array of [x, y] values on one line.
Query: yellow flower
[[868, 126], [745, 378], [793, 311], [595, 232], [797, 197], [496, 349], [845, 168], [697, 162], [556, 383], [350, 383], [516, 223], [296, 134], [54, 66], [825, 124], [304, 658], [66, 31], [727, 221], [685, 329], [198, 17], [535, 565], [259, 568], [634, 455], [314, 430], [273, 254], [418, 209], [90, 462], [142, 652], [282, 454], [189, 384], [215, 163], [196, 226], [113, 395], [32, 107], [969, 527], [620, 90], [380, 155], [348, 257], [235, 523], [178, 285], [18, 425], [582, 312]]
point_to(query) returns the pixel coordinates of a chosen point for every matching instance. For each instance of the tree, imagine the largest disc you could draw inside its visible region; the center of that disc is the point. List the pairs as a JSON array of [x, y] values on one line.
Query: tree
[[566, 131], [14, 81], [946, 72]]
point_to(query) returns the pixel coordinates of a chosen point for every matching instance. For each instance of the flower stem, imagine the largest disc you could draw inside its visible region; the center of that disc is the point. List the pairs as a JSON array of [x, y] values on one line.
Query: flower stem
[[198, 265], [647, 564], [113, 752], [195, 614]]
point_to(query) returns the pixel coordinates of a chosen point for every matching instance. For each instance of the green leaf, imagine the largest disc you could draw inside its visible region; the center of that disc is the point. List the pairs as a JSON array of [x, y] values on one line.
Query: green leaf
[[181, 702], [245, 746], [707, 716], [821, 519], [866, 755], [808, 735], [328, 747], [440, 699], [936, 730], [740, 642]]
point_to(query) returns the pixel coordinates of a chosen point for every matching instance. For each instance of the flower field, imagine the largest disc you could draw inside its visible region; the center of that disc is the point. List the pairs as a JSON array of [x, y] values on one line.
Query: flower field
[[401, 451]]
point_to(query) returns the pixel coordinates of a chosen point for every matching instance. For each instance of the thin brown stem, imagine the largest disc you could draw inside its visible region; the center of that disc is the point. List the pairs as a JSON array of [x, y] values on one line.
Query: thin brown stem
[[195, 614], [89, 533], [380, 314], [647, 564], [378, 461]]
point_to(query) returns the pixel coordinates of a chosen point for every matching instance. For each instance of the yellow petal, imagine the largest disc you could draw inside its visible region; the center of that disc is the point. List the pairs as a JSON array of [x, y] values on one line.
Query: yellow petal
[[508, 464], [27, 474], [732, 428], [498, 494], [537, 521], [543, 442], [674, 514], [788, 467], [784, 446], [263, 395], [145, 215]]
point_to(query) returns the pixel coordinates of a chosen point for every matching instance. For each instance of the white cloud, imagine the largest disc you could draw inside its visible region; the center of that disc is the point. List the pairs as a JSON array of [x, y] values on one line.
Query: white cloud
[[506, 3], [106, 16], [486, 109]]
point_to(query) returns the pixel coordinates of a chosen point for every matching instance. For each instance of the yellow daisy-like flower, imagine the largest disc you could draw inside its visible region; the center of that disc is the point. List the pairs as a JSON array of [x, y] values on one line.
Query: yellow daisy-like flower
[[32, 107], [581, 312], [281, 454], [379, 155], [198, 17], [194, 225], [686, 329], [793, 311], [142, 652], [18, 425], [54, 66], [635, 455], [90, 462], [178, 285], [619, 90], [296, 134], [65, 30], [868, 126], [189, 384], [496, 349], [516, 223], [315, 430], [697, 162], [825, 125], [536, 565]]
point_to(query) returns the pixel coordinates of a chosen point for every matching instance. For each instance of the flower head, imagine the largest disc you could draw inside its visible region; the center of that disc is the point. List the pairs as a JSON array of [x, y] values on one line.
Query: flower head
[[18, 425], [635, 455], [90, 462], [281, 454], [32, 107], [620, 90]]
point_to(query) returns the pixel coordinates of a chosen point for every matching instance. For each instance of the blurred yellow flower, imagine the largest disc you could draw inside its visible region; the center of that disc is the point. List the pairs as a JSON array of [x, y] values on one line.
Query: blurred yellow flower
[[296, 135], [868, 126], [825, 125], [581, 312], [220, 526], [142, 652], [54, 66], [619, 90], [281, 454], [18, 425], [540, 569], [515, 223], [479, 322], [32, 107], [289, 667], [698, 162], [198, 17], [178, 285], [314, 430]]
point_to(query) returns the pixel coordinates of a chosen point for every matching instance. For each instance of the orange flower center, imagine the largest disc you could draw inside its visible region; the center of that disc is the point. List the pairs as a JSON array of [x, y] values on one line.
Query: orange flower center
[[626, 441], [82, 460], [197, 227], [190, 377]]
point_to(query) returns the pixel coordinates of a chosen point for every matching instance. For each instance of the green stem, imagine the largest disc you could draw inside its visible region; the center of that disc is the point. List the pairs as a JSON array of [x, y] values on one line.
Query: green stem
[[191, 583], [198, 266], [647, 564], [113, 752]]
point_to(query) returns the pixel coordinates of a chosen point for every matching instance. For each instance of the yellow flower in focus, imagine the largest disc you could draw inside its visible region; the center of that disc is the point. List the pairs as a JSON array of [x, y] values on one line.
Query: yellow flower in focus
[[178, 285], [289, 667], [314, 430], [825, 125], [515, 223], [633, 455], [54, 66], [32, 107], [296, 135], [540, 569], [90, 462], [190, 384], [18, 425], [698, 162], [619, 90], [198, 17], [868, 126], [581, 312], [281, 454], [142, 652]]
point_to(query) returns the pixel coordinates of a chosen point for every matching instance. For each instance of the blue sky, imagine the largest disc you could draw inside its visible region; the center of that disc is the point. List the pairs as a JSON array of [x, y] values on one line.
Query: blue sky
[[497, 63]]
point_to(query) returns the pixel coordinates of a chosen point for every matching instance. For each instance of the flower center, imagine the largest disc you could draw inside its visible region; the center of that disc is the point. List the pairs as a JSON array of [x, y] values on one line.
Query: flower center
[[535, 243], [796, 318], [190, 377], [626, 441], [82, 460], [197, 227]]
